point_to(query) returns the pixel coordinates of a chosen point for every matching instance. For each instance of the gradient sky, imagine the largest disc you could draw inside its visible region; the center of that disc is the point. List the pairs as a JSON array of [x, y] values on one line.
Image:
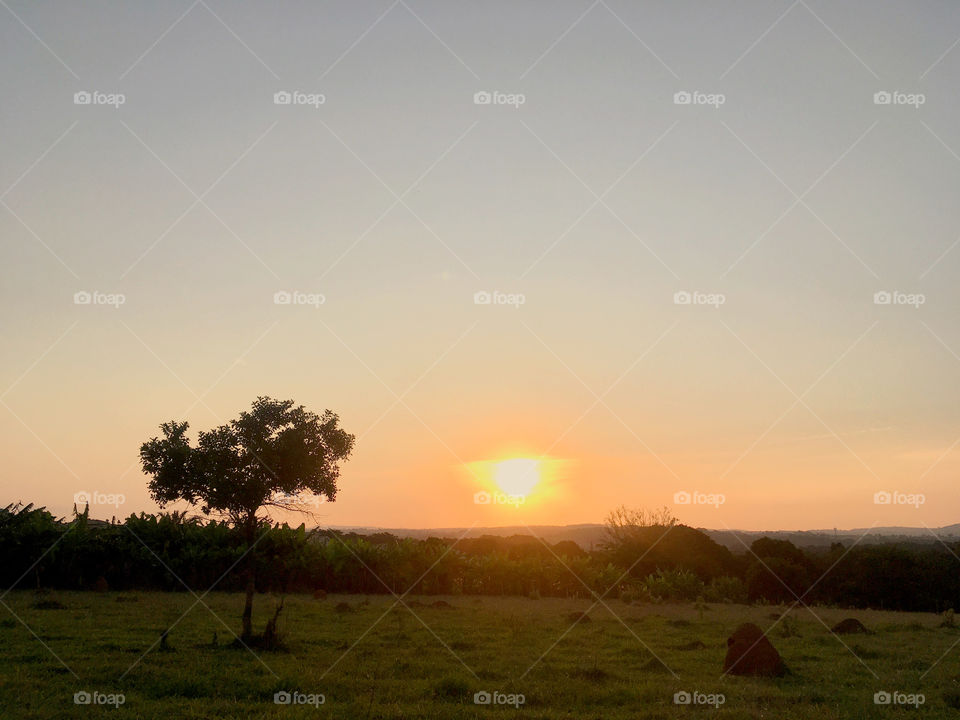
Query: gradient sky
[[397, 199]]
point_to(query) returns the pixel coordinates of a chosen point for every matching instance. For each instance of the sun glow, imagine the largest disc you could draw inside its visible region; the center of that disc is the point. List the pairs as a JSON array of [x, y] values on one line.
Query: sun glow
[[517, 476]]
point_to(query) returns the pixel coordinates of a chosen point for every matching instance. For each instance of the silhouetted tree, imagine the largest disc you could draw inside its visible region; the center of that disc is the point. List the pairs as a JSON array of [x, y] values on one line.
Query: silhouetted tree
[[267, 457], [644, 542]]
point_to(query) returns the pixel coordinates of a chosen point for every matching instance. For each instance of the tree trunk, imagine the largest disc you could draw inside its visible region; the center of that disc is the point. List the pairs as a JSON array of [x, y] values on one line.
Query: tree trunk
[[249, 532], [247, 631]]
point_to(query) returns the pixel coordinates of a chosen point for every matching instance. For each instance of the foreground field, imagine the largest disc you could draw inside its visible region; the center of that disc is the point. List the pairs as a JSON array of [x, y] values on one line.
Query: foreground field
[[368, 661]]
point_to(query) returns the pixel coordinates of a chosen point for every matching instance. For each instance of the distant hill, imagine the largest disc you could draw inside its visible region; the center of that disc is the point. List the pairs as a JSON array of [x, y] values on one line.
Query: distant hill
[[589, 535], [822, 538], [586, 535]]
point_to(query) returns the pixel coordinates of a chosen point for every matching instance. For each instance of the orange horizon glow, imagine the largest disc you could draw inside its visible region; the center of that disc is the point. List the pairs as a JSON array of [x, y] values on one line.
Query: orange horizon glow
[[443, 276]]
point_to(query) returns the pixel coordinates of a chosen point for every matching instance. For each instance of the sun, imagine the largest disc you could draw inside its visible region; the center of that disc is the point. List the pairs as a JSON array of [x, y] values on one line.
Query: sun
[[517, 476]]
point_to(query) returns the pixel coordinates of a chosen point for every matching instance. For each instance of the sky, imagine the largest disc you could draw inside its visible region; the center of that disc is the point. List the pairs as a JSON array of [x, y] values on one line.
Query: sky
[[694, 255]]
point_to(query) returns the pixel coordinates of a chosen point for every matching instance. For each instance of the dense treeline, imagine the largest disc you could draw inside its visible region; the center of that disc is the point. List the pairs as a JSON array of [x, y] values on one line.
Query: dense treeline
[[645, 558]]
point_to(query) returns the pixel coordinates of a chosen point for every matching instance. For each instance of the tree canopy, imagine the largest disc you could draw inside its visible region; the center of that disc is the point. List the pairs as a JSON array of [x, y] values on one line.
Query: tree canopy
[[268, 456]]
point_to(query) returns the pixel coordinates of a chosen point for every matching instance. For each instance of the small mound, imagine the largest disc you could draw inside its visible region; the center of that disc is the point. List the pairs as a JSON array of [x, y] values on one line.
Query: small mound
[[441, 605], [258, 642], [749, 652], [344, 607], [48, 605], [593, 674], [452, 689], [849, 626], [865, 653], [952, 698], [694, 645], [655, 665], [578, 617]]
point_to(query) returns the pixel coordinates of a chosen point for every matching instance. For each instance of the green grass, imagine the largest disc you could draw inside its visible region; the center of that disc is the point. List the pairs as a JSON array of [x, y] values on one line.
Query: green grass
[[405, 668]]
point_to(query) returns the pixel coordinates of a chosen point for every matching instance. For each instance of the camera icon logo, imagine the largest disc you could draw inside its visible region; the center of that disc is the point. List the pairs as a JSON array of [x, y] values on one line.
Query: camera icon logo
[[482, 298], [282, 698], [282, 98], [682, 297], [682, 698], [482, 98], [682, 98], [882, 98], [81, 498], [882, 498], [282, 297], [681, 498], [882, 698], [82, 298], [82, 698], [882, 297], [482, 498], [82, 98], [482, 698]]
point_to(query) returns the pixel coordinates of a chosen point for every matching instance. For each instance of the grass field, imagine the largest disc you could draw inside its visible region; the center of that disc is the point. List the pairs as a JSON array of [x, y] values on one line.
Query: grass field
[[431, 665]]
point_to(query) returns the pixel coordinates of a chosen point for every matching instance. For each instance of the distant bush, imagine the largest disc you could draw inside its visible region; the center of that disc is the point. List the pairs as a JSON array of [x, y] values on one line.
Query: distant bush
[[726, 589], [643, 562], [674, 585]]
